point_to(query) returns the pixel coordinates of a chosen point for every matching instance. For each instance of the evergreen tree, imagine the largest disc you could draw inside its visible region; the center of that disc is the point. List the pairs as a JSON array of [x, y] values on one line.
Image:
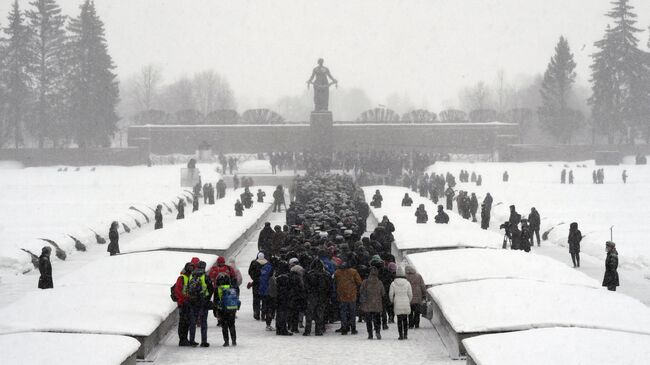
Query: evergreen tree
[[3, 100], [18, 60], [619, 76], [557, 117], [47, 25], [92, 84]]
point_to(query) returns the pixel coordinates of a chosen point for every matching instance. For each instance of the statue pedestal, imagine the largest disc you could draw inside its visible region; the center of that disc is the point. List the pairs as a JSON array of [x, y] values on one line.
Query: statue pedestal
[[322, 132]]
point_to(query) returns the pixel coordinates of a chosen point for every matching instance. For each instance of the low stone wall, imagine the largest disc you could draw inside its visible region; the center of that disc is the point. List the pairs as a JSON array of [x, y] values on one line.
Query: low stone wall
[[31, 157]]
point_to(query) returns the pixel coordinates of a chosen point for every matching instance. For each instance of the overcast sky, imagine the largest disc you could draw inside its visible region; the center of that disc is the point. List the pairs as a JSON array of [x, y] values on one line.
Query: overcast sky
[[427, 49]]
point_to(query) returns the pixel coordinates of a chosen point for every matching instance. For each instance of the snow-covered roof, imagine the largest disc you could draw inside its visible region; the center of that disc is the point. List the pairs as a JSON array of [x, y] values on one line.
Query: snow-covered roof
[[495, 305], [39, 348], [107, 308], [453, 266], [213, 227], [559, 346], [410, 235]]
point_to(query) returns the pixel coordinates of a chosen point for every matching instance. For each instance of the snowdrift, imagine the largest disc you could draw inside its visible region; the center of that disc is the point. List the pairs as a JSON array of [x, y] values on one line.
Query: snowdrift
[[559, 346], [455, 266]]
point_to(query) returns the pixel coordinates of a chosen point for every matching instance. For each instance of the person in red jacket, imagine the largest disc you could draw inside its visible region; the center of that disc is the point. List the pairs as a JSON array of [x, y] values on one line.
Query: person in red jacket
[[220, 267], [183, 305]]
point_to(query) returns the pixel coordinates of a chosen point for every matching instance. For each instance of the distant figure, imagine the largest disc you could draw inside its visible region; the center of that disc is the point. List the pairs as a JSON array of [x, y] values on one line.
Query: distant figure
[[235, 182], [221, 189], [191, 164], [473, 178], [488, 201], [158, 217], [479, 180], [181, 209], [239, 208], [506, 177], [45, 268], [278, 198], [441, 217], [594, 177], [485, 217], [421, 214], [376, 199], [600, 176], [624, 176], [575, 236], [473, 206], [563, 176], [260, 196], [534, 221], [449, 193], [407, 201], [195, 203], [526, 237], [571, 177], [114, 238], [611, 265], [211, 192]]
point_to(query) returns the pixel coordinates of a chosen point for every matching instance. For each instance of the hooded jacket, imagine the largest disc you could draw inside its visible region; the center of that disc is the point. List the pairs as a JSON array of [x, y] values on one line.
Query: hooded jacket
[[400, 294], [373, 293], [419, 290]]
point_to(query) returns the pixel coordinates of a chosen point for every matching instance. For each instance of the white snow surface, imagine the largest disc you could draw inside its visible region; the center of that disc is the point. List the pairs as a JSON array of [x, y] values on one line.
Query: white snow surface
[[41, 202], [576, 346], [411, 235], [514, 304], [213, 227], [454, 266], [106, 308], [595, 207], [156, 267], [254, 167], [40, 348]]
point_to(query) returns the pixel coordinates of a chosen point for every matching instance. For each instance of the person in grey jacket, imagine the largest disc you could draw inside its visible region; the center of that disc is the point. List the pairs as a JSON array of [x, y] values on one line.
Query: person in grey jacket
[[372, 294]]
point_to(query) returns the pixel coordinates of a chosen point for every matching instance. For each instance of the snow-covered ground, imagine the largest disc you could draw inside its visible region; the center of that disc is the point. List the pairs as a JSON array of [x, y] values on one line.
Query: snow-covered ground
[[410, 235], [595, 207], [40, 348], [559, 346], [514, 304], [215, 227], [254, 167], [454, 266], [42, 202]]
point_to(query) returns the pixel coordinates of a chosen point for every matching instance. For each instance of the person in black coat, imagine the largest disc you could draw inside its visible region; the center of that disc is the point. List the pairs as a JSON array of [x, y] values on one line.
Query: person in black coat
[[610, 280], [45, 268], [283, 288], [449, 193], [114, 238], [265, 239], [181, 209], [239, 208], [575, 236], [485, 217], [441, 217], [297, 297], [377, 199], [534, 222], [260, 196], [318, 285], [407, 201], [473, 206], [158, 217], [421, 214]]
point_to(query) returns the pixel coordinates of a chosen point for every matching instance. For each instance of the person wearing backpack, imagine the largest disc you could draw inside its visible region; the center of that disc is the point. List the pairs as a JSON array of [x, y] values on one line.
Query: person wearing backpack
[[255, 271], [182, 300], [199, 290], [227, 304]]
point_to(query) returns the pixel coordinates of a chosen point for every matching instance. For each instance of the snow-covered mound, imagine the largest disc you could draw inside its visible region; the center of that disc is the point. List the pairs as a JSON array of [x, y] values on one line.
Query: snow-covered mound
[[595, 207], [454, 266], [512, 304], [213, 227], [39, 348], [48, 202], [157, 267], [252, 167], [118, 309], [409, 235], [559, 346]]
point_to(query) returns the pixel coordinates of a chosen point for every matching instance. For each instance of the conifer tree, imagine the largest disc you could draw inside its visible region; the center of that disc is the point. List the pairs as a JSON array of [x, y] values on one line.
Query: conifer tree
[[619, 76], [18, 61], [92, 84], [48, 27], [555, 113]]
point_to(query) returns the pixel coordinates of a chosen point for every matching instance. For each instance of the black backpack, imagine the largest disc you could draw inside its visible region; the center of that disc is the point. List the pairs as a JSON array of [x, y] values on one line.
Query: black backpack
[[194, 288], [173, 293]]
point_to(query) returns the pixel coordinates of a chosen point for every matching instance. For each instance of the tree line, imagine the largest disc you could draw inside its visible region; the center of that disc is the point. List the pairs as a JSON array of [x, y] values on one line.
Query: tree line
[[57, 80]]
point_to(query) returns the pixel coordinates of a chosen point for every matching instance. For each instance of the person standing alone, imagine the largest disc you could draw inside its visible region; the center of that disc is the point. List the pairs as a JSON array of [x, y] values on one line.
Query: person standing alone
[[611, 265]]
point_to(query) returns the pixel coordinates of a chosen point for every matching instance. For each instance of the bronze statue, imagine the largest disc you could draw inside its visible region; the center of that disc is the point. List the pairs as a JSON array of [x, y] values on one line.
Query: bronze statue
[[320, 78]]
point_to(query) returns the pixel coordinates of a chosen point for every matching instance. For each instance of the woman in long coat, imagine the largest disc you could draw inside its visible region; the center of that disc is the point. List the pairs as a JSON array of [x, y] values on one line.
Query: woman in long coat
[[45, 268], [372, 294], [114, 238], [611, 265], [400, 294], [575, 236]]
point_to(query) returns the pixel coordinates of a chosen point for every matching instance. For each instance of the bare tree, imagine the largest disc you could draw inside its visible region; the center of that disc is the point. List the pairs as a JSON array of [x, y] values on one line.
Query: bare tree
[[147, 83], [476, 97], [211, 92]]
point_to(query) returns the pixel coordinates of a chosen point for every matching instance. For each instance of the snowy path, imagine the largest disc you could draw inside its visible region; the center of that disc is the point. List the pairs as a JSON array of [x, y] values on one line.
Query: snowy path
[[255, 345]]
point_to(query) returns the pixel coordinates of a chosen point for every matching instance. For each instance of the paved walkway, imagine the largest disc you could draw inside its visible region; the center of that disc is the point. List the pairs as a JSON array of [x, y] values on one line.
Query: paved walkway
[[255, 345]]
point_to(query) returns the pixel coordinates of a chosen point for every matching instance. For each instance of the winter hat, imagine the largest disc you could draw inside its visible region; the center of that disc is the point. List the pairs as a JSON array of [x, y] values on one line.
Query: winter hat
[[392, 267], [610, 243], [195, 262], [293, 261], [260, 255], [400, 271], [221, 260]]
